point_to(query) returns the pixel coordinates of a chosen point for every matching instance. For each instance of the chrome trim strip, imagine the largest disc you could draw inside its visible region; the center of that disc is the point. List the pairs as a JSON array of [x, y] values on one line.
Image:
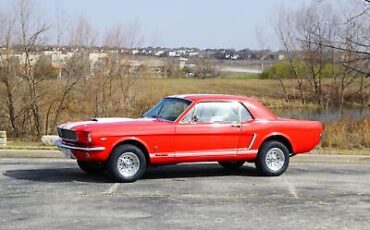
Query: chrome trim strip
[[204, 153], [59, 144], [253, 140], [245, 150]]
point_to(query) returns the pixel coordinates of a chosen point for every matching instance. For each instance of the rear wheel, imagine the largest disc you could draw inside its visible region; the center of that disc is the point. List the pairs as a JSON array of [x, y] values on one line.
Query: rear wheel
[[231, 164], [272, 159], [127, 163], [91, 167]]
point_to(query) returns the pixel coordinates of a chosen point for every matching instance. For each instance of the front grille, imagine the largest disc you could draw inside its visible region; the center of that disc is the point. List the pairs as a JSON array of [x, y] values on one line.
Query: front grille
[[67, 134]]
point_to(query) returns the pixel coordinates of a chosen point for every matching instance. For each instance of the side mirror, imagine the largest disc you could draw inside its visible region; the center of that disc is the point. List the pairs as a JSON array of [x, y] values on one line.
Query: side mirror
[[195, 119]]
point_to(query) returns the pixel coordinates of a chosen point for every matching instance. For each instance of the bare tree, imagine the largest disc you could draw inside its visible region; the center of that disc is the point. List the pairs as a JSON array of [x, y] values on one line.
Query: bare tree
[[74, 70], [36, 90], [331, 48], [171, 68], [7, 71], [82, 34], [284, 30], [31, 28], [353, 44], [8, 95], [30, 95], [123, 66], [205, 68]]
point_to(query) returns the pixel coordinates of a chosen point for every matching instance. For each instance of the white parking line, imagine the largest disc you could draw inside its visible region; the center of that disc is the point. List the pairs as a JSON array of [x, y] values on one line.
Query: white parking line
[[111, 189], [292, 189]]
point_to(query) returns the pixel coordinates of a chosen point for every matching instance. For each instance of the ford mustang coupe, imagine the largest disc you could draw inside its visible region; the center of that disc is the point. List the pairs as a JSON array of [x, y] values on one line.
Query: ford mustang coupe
[[189, 128]]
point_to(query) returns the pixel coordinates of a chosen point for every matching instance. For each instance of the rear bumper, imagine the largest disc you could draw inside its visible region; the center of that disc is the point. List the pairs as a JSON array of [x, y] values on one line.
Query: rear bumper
[[60, 144]]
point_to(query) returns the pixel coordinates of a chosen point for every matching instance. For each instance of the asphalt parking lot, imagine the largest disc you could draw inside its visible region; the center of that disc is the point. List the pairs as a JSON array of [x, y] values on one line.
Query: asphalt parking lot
[[55, 194]]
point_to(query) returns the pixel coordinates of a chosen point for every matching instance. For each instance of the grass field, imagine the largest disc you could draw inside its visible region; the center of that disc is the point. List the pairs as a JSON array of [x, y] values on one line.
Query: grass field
[[267, 91]]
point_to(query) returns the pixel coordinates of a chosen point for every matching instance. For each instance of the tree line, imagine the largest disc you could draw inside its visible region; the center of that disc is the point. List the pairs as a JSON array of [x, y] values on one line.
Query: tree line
[[34, 95], [327, 49]]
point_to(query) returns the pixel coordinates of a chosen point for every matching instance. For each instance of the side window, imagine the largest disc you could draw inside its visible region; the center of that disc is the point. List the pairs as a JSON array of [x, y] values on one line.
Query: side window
[[212, 112], [189, 116], [245, 115]]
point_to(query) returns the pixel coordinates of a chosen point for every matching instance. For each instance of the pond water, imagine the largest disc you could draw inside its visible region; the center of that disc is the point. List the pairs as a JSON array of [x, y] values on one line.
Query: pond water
[[333, 114]]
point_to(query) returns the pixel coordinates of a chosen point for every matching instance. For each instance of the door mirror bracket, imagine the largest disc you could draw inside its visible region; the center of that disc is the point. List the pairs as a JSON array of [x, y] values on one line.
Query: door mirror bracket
[[195, 119]]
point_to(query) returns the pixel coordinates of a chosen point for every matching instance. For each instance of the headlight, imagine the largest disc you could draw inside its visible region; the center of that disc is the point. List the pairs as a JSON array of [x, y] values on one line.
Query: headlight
[[85, 137]]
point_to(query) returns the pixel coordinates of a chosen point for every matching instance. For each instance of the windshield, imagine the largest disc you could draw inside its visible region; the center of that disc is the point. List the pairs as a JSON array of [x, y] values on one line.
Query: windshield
[[168, 109]]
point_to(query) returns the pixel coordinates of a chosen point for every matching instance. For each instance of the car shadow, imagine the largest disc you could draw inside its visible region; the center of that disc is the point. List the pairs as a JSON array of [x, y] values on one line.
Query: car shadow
[[196, 170], [55, 175]]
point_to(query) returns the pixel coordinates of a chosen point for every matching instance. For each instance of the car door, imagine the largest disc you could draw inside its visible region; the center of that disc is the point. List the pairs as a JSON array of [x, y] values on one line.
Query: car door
[[249, 130], [210, 130]]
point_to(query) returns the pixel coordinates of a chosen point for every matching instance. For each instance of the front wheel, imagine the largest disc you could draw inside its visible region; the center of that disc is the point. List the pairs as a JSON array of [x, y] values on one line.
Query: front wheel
[[91, 167], [232, 165], [272, 159], [127, 163]]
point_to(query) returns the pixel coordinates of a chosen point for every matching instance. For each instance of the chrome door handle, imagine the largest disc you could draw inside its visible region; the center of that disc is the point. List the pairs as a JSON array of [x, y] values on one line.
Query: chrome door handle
[[235, 125]]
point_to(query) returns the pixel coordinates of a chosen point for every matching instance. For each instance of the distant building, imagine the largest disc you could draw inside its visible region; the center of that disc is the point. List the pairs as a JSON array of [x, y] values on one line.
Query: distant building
[[182, 62], [159, 53], [173, 54], [59, 58], [281, 57], [95, 57]]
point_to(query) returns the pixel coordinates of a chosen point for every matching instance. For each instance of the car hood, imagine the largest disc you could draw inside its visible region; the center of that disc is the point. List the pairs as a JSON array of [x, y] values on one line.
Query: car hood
[[110, 123], [76, 125]]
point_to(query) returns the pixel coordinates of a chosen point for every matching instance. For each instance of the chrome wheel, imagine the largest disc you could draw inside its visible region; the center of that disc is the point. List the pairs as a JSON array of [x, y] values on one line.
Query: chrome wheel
[[275, 159], [128, 164]]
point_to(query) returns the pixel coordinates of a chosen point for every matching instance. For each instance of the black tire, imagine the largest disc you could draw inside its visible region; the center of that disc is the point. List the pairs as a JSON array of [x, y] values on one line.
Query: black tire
[[92, 167], [261, 163], [232, 165], [113, 166]]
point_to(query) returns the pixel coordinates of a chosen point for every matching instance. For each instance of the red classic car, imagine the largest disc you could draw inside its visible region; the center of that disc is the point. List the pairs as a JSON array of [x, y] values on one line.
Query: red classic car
[[189, 128]]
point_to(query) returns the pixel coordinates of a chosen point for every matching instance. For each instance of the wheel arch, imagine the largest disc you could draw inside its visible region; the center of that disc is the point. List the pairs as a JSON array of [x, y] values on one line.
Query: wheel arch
[[136, 142], [281, 138]]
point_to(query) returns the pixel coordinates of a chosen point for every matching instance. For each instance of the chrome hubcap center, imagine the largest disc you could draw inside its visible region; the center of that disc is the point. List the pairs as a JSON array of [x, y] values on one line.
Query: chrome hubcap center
[[128, 164], [275, 159]]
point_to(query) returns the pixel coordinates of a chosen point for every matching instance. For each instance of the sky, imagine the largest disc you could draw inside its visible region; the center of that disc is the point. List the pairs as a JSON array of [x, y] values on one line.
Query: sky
[[179, 23]]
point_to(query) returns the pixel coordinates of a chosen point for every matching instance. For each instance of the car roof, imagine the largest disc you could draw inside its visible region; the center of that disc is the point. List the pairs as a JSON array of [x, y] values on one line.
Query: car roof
[[210, 97], [258, 110]]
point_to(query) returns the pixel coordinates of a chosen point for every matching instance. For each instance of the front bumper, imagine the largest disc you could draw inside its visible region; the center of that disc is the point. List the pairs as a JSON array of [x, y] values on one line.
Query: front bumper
[[83, 153], [60, 144]]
